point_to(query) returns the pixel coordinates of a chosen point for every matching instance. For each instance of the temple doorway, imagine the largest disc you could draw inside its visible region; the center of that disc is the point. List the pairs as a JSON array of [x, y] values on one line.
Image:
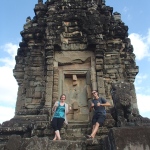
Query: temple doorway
[[74, 80], [75, 88]]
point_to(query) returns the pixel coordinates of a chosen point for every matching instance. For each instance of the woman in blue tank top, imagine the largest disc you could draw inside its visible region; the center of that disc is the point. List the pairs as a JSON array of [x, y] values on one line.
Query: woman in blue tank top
[[60, 110]]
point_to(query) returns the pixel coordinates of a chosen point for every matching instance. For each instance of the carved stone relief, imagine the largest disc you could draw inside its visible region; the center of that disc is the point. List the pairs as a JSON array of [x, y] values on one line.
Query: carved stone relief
[[75, 81]]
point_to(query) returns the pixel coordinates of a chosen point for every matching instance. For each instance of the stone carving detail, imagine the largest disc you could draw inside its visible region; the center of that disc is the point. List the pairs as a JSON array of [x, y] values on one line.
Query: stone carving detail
[[122, 98], [125, 112]]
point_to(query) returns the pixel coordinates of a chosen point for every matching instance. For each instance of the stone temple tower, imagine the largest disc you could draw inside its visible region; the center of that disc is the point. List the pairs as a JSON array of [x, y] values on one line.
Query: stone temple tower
[[74, 47]]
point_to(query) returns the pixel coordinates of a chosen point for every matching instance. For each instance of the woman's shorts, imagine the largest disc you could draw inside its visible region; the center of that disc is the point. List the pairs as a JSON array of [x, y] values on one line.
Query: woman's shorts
[[98, 118]]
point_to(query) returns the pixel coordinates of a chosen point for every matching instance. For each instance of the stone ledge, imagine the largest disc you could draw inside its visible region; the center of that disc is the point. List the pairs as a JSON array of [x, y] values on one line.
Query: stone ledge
[[12, 129], [16, 142], [127, 138]]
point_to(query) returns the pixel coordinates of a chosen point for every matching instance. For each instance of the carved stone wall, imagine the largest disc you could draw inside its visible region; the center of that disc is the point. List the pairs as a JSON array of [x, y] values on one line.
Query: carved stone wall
[[69, 26]]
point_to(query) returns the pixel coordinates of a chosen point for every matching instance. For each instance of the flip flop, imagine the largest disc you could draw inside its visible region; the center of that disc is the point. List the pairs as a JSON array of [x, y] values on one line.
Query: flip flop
[[89, 137]]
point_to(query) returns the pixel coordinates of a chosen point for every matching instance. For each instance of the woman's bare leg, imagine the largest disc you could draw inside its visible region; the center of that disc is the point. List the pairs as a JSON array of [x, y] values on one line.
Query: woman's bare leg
[[57, 133], [55, 138]]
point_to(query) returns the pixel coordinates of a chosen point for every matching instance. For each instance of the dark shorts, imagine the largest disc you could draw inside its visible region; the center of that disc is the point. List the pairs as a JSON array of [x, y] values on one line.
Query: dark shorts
[[57, 123], [98, 118]]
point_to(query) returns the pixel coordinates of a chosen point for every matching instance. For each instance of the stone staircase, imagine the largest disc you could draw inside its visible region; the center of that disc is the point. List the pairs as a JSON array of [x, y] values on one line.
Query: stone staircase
[[29, 129], [73, 137]]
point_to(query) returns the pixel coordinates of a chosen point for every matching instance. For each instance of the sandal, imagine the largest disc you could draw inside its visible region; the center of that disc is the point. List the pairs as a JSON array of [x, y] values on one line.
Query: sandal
[[89, 137]]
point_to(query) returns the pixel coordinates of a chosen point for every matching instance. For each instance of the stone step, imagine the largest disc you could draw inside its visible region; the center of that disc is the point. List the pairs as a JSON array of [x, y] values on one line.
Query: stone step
[[41, 124], [11, 130], [71, 130], [76, 132], [49, 144], [2, 145], [32, 117], [33, 111], [77, 125], [4, 138], [78, 122]]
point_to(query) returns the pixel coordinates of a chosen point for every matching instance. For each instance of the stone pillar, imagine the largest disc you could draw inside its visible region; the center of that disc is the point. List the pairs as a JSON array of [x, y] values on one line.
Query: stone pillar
[[49, 81], [93, 74], [55, 86]]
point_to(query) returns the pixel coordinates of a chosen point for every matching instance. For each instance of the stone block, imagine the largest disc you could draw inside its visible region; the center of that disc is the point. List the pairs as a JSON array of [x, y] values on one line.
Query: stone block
[[55, 94], [18, 75], [127, 138], [109, 123], [113, 76], [49, 91], [82, 46], [35, 100], [14, 142], [112, 61], [32, 117], [28, 100], [99, 73], [75, 106], [48, 97], [111, 70], [100, 82], [49, 78], [55, 82], [27, 112], [37, 73], [70, 116], [49, 61], [99, 67], [55, 88], [49, 73], [56, 74], [55, 64], [32, 105], [84, 110], [29, 92], [74, 77], [89, 95], [101, 90], [81, 117], [108, 66], [48, 103], [50, 67], [36, 68], [49, 84], [37, 60]]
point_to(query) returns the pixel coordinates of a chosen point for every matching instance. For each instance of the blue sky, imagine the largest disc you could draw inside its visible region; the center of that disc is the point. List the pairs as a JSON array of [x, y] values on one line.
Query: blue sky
[[13, 14]]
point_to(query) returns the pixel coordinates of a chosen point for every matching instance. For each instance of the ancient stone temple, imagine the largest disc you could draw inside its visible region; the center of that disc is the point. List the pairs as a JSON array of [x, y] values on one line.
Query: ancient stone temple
[[74, 47]]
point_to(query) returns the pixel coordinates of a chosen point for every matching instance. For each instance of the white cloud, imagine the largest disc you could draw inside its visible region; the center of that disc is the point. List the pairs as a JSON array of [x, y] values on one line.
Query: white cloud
[[6, 113], [11, 50], [143, 104], [140, 78], [125, 9], [141, 45], [148, 36], [8, 84]]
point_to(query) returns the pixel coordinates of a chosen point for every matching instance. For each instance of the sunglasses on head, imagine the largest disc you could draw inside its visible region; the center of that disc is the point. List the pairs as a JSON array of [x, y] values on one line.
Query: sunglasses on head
[[93, 92]]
